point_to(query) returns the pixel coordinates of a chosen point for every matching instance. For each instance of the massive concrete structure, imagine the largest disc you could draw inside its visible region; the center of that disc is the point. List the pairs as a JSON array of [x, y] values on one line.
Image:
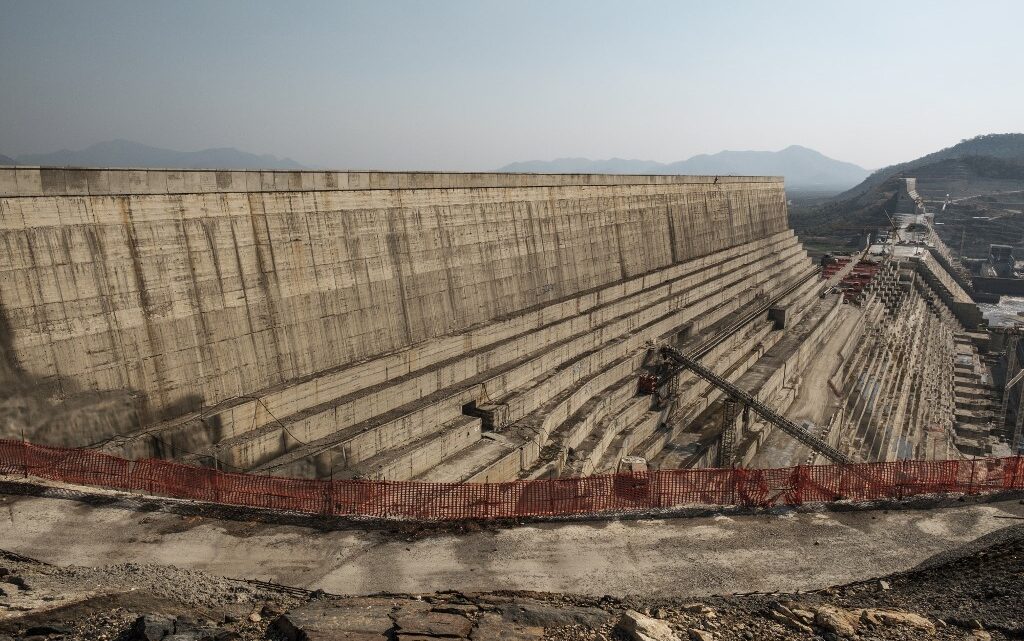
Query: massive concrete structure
[[402, 326], [198, 287]]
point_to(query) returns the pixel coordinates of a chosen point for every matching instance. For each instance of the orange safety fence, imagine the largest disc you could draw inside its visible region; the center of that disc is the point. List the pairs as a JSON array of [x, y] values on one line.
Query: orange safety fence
[[611, 493]]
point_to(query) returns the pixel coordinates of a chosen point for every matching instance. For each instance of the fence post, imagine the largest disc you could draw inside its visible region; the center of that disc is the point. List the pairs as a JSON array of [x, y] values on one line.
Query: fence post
[[327, 496], [217, 477], [901, 485], [970, 484], [487, 500], [739, 477], [129, 471]]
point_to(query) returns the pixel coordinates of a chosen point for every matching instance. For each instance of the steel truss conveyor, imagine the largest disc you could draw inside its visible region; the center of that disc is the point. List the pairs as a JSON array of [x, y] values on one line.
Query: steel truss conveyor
[[767, 413]]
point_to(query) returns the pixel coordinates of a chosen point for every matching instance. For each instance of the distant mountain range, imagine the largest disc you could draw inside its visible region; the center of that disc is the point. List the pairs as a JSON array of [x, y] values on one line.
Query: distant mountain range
[[125, 153], [802, 168]]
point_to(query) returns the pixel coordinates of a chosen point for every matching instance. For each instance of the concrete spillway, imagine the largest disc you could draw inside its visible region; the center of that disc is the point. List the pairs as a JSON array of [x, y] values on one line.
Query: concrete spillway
[[403, 326]]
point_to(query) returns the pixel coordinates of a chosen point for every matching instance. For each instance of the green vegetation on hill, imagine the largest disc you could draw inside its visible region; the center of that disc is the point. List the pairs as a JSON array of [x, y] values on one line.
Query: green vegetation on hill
[[989, 164], [991, 167], [996, 146], [841, 225]]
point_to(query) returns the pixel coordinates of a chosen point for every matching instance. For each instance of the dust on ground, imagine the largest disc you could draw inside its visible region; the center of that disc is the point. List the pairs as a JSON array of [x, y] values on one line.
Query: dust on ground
[[972, 592]]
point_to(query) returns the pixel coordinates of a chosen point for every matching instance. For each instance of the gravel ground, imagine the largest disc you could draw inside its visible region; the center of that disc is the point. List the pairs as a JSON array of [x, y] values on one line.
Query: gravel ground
[[101, 603], [685, 558], [972, 592]]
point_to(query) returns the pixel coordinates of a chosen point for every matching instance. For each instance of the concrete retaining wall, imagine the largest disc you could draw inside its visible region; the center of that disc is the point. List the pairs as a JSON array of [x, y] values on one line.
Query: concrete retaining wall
[[194, 287]]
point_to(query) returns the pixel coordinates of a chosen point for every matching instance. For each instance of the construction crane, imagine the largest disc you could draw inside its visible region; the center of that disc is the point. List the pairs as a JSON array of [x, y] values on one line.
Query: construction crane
[[894, 228], [767, 413]]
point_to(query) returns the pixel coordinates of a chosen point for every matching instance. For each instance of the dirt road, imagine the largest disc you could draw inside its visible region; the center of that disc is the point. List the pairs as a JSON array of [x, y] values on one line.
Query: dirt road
[[667, 557]]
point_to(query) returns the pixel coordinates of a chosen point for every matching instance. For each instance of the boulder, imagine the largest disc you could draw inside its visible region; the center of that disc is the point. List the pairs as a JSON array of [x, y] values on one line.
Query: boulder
[[805, 616], [364, 619], [794, 618], [697, 608], [790, 620], [150, 628], [540, 614], [270, 611], [491, 626], [432, 624], [456, 608], [840, 622], [898, 618], [16, 581], [640, 627]]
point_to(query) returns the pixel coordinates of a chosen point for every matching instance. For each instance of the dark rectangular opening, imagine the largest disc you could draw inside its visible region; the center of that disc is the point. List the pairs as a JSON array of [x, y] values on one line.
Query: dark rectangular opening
[[684, 335]]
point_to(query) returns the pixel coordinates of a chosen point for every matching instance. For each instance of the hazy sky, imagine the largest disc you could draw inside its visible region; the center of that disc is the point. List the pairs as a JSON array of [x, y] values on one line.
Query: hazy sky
[[477, 84]]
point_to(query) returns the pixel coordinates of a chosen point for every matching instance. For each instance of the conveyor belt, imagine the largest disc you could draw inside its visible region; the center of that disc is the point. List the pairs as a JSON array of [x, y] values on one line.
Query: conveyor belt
[[763, 410]]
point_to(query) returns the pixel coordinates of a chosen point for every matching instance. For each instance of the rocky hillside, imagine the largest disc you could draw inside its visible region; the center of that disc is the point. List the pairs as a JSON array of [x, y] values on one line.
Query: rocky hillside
[[981, 175], [990, 156], [842, 225]]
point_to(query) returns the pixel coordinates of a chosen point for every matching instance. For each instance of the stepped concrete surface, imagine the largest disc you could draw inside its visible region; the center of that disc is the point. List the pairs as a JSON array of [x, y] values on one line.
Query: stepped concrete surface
[[350, 323], [460, 327]]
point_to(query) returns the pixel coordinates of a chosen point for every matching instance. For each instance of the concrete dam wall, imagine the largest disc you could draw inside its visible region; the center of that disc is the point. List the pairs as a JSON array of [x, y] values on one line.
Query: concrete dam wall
[[299, 321], [198, 297]]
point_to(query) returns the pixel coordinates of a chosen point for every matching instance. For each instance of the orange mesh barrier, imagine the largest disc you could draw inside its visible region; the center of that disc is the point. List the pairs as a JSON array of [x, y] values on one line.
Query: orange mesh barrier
[[612, 493]]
